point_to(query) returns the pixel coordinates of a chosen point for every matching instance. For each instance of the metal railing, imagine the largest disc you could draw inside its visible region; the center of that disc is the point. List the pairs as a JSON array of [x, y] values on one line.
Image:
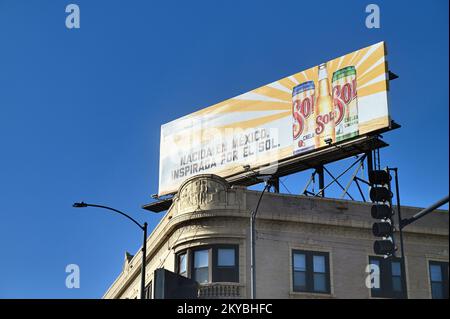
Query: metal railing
[[218, 290]]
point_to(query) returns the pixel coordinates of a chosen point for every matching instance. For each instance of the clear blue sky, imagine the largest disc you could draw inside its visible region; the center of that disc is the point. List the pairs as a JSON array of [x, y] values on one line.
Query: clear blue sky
[[81, 110]]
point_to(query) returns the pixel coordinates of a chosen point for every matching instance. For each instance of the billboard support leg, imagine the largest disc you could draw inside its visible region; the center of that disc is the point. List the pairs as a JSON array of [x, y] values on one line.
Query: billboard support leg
[[369, 162], [276, 184], [319, 171]]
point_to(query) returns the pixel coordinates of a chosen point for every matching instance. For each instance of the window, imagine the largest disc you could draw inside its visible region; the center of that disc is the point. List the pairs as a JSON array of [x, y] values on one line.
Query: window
[[148, 291], [396, 276], [439, 279], [391, 280], [201, 266], [319, 274], [182, 265], [299, 272], [311, 271], [215, 263], [225, 257], [225, 264]]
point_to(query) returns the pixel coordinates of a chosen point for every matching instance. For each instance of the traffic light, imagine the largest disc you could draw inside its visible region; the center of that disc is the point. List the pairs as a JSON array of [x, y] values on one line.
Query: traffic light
[[384, 247], [381, 196], [379, 177]]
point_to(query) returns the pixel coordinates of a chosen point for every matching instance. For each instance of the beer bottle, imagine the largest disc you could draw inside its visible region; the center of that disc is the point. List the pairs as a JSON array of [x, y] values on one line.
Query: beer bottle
[[324, 110]]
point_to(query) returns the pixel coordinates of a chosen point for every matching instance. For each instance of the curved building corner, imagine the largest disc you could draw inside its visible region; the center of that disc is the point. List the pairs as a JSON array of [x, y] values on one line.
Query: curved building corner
[[306, 247]]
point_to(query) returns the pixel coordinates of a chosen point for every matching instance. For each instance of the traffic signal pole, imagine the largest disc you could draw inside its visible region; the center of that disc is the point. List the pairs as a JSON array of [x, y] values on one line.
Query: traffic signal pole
[[381, 194], [399, 213], [422, 213]]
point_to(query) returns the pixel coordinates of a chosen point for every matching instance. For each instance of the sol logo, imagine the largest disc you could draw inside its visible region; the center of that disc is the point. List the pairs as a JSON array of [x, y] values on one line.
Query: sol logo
[[303, 108], [322, 120], [342, 96]]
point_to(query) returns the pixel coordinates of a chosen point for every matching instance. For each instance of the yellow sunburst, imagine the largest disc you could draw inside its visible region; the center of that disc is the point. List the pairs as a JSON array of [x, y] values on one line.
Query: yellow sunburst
[[371, 70]]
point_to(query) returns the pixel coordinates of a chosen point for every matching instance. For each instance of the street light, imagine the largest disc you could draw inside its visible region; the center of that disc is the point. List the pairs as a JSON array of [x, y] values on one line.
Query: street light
[[253, 241], [142, 227], [268, 180]]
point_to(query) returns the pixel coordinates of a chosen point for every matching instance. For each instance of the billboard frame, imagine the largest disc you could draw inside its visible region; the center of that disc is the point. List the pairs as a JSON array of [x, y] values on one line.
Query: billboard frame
[[265, 108], [298, 163]]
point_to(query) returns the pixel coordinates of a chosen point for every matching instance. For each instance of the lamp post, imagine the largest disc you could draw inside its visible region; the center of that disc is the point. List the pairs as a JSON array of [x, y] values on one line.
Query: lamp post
[[253, 242], [269, 182], [142, 227]]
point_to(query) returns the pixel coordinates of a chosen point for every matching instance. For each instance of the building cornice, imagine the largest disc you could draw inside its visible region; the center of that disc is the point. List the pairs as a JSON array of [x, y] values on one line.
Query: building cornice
[[210, 197]]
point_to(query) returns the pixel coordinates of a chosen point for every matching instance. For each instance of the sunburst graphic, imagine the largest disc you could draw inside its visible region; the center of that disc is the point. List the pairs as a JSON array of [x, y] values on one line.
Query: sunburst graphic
[[273, 102]]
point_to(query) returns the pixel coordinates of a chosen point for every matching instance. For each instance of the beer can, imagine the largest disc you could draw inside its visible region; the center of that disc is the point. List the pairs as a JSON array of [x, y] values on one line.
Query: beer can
[[303, 99], [345, 101]]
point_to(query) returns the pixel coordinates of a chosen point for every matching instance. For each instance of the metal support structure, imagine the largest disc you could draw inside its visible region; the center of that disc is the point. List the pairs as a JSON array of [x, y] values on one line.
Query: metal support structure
[[319, 171], [284, 185], [357, 180], [312, 179], [361, 163], [337, 182], [354, 178], [376, 159], [276, 184], [143, 227], [335, 179], [369, 162], [369, 158]]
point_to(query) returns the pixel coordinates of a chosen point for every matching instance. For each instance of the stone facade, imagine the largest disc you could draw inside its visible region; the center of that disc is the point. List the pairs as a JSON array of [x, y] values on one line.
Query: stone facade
[[207, 211]]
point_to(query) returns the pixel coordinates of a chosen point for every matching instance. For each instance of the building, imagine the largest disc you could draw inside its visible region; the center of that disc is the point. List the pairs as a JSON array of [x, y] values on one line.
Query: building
[[305, 247]]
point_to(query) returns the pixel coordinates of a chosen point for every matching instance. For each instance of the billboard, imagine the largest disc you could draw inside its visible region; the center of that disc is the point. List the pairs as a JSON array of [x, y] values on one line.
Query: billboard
[[332, 102]]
